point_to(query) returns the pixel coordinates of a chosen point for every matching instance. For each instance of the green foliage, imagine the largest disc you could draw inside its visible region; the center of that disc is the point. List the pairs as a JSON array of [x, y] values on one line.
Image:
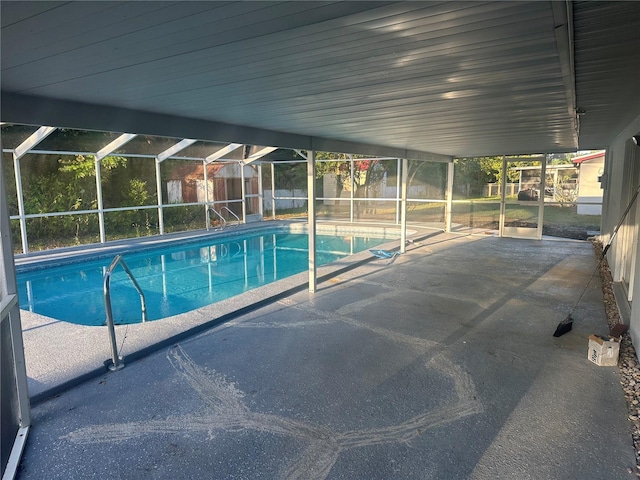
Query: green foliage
[[473, 173], [178, 219], [291, 176], [71, 187], [137, 193]]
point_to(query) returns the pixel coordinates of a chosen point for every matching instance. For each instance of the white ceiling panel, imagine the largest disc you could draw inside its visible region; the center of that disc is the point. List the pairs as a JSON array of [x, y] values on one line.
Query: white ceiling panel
[[450, 78]]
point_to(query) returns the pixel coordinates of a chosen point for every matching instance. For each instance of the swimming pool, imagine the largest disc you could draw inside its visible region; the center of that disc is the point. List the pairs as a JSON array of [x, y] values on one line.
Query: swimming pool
[[178, 278]]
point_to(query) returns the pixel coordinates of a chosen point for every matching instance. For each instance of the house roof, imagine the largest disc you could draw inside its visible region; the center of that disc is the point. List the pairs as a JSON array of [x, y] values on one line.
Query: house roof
[[426, 80], [586, 158]]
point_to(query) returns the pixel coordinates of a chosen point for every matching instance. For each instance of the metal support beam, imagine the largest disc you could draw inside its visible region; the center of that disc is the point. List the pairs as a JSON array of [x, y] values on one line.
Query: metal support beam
[[34, 139], [206, 194], [311, 211], [260, 193], [563, 29], [243, 191], [29, 109], [222, 152], [159, 194], [403, 205], [99, 200], [353, 184], [113, 146], [449, 197], [21, 212], [503, 195], [398, 189], [181, 145], [273, 191], [543, 184], [259, 154], [10, 312]]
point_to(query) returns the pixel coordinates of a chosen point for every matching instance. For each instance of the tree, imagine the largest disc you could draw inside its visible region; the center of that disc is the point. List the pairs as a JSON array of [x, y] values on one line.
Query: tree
[[471, 174]]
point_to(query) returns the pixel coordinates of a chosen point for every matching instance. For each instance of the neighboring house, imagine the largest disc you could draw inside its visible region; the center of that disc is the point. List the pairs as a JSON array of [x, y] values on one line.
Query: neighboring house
[[590, 168]]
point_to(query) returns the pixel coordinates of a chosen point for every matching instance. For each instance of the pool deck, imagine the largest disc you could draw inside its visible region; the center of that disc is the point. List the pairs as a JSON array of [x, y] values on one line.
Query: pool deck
[[437, 364]]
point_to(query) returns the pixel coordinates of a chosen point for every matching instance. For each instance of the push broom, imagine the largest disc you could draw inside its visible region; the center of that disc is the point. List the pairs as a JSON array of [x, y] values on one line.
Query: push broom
[[565, 325]]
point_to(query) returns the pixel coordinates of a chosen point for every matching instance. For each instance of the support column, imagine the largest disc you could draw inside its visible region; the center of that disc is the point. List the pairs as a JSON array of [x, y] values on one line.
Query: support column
[[403, 205], [273, 191], [159, 193], [398, 187], [311, 211], [243, 191], [543, 184], [16, 410], [23, 220], [103, 237], [503, 193], [260, 193], [206, 195], [448, 213], [353, 184]]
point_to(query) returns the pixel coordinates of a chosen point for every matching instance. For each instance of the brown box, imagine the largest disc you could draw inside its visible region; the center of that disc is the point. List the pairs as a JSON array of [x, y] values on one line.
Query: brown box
[[604, 350]]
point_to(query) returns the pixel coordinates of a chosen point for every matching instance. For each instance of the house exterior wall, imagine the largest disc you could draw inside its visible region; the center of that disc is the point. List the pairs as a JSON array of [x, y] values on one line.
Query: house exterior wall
[[589, 189], [622, 169]]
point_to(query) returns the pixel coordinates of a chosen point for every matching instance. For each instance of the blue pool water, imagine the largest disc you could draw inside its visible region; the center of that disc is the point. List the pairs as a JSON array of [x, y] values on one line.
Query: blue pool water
[[176, 279]]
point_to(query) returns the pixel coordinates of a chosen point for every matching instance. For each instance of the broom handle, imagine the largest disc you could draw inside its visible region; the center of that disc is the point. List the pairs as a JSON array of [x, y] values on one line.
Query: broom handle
[[624, 215], [604, 251]]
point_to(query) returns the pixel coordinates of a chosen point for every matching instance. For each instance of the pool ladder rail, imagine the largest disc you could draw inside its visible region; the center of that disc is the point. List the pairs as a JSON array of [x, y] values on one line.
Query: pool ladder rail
[[223, 220], [115, 359]]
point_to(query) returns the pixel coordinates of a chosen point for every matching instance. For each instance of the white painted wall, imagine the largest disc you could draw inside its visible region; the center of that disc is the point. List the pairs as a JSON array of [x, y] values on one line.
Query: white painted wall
[[589, 189], [621, 160]]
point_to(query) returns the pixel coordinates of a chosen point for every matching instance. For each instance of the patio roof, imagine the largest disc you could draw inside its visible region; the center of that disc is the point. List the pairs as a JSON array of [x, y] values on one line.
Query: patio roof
[[420, 80]]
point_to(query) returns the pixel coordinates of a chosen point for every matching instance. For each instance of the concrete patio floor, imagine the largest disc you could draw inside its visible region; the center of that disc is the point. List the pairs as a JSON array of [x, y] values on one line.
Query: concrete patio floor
[[440, 364]]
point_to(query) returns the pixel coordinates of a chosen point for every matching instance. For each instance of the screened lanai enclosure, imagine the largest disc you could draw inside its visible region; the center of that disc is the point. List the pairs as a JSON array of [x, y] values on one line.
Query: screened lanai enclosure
[[70, 187]]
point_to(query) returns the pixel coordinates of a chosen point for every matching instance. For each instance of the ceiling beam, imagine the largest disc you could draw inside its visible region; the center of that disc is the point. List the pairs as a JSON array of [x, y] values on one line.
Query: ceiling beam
[[563, 28], [32, 110]]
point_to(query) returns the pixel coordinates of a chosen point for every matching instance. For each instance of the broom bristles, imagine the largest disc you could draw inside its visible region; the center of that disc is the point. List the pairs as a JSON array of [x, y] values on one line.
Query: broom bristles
[[564, 326]]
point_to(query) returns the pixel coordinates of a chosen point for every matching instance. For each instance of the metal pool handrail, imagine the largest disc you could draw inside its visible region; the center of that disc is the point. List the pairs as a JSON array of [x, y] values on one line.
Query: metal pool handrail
[[116, 362], [232, 214], [222, 219]]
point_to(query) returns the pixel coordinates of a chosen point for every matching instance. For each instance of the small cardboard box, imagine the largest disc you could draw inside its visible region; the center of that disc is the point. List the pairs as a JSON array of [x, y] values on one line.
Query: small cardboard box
[[604, 350]]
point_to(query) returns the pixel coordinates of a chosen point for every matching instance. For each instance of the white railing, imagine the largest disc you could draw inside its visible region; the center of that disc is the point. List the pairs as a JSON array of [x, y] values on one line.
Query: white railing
[[116, 360]]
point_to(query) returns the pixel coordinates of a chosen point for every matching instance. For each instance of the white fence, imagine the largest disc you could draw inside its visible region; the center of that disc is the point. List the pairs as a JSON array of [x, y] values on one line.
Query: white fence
[[285, 198], [493, 189]]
